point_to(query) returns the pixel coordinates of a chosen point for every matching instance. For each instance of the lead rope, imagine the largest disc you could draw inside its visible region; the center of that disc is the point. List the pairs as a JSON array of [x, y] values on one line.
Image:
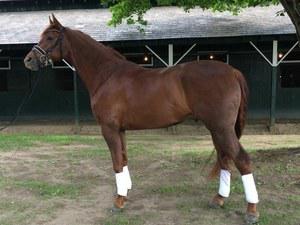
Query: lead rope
[[23, 102], [208, 160]]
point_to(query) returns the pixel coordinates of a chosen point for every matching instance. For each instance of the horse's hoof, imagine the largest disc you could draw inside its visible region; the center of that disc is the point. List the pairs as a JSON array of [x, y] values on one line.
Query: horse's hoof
[[214, 205], [119, 203], [251, 218], [115, 209]]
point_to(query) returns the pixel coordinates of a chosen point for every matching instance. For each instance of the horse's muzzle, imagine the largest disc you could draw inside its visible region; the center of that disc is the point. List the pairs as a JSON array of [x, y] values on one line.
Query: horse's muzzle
[[31, 62]]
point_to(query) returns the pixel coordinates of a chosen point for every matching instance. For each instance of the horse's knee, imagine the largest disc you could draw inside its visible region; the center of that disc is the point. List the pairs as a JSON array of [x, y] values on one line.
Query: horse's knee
[[118, 167]]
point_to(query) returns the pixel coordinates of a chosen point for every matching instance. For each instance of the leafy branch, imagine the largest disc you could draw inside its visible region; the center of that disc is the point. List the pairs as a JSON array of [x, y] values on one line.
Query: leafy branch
[[132, 11]]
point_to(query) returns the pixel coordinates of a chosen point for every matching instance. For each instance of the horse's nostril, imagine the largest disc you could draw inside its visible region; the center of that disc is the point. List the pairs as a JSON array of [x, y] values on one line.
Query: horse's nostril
[[28, 59]]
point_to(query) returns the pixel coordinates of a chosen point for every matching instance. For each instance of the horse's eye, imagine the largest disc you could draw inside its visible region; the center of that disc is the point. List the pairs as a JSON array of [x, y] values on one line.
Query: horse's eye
[[49, 38]]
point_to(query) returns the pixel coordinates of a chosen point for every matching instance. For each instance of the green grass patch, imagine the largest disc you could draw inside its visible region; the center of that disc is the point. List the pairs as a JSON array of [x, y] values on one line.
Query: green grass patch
[[179, 189], [69, 139], [11, 142], [89, 153], [279, 217], [123, 219], [42, 188], [19, 212], [15, 142]]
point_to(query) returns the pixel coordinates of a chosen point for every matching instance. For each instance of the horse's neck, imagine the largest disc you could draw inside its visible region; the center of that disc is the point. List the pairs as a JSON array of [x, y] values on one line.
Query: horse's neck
[[92, 61]]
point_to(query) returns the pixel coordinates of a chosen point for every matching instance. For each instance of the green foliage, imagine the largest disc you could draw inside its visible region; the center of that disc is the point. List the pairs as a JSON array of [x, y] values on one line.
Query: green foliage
[[130, 10], [133, 10]]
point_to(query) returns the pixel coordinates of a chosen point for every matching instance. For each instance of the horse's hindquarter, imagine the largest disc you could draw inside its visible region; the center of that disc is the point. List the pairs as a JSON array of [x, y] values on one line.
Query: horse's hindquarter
[[213, 93], [142, 99]]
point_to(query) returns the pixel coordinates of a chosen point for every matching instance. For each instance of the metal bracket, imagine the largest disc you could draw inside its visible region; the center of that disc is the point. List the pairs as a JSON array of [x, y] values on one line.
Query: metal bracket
[[171, 55], [275, 62]]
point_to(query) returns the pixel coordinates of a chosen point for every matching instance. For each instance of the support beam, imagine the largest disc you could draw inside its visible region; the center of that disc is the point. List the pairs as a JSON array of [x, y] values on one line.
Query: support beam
[[274, 84], [227, 58], [71, 67], [187, 52], [274, 64], [260, 52], [76, 108], [157, 56], [171, 55], [289, 51]]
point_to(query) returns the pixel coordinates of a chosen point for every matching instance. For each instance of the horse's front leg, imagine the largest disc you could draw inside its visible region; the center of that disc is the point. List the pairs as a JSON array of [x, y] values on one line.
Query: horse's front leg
[[115, 139], [125, 160]]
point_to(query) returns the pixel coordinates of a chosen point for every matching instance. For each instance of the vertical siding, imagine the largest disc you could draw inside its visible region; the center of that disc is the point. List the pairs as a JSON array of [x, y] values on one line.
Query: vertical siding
[[288, 101], [258, 76]]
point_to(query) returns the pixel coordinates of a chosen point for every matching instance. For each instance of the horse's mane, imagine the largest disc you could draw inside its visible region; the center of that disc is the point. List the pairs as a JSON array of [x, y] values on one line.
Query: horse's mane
[[88, 37], [98, 44]]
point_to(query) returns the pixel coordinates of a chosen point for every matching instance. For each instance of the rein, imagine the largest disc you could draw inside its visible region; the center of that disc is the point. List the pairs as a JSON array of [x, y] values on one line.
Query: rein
[[44, 54]]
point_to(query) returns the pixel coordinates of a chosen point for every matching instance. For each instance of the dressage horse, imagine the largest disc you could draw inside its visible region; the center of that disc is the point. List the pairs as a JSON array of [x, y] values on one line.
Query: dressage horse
[[125, 96]]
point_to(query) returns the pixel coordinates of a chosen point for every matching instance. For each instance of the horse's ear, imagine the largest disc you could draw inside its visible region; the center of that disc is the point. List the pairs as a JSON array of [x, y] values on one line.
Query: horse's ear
[[50, 21], [56, 22]]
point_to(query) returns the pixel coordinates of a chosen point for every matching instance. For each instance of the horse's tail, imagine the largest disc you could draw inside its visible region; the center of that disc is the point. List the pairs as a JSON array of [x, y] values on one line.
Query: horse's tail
[[240, 120], [241, 117]]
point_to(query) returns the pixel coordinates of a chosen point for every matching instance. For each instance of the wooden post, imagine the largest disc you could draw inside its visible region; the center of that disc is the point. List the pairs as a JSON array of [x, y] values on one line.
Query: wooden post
[[76, 110], [274, 85]]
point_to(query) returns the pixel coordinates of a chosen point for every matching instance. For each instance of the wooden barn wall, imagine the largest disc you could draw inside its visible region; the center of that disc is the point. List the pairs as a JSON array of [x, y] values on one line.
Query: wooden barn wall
[[288, 100], [50, 102], [258, 76], [47, 101]]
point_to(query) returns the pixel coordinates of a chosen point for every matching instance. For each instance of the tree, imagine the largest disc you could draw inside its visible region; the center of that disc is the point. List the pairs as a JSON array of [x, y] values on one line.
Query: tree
[[133, 10]]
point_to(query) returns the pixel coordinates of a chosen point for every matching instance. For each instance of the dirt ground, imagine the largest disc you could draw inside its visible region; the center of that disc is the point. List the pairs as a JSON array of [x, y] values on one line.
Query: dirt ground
[[189, 127], [68, 180]]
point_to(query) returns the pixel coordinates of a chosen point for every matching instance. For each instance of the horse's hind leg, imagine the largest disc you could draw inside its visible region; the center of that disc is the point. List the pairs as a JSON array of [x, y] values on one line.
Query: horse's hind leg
[[229, 148], [226, 144], [243, 163]]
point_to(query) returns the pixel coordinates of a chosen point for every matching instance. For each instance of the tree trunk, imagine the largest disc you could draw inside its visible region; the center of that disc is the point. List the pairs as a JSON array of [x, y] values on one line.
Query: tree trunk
[[292, 7]]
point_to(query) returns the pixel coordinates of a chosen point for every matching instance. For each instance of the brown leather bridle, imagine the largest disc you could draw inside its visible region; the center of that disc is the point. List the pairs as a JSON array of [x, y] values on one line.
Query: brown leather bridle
[[44, 58]]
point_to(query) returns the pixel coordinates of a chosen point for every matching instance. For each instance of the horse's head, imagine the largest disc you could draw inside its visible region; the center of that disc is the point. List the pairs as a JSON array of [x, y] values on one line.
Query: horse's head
[[51, 46]]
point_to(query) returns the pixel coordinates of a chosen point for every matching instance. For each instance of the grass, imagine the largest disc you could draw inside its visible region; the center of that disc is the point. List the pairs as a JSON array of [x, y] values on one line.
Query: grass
[[50, 174], [178, 189], [42, 188], [124, 219], [20, 212], [93, 152], [9, 142]]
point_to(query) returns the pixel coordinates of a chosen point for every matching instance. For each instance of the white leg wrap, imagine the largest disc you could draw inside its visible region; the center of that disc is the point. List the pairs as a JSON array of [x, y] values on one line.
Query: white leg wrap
[[250, 188], [121, 184], [128, 179], [224, 188]]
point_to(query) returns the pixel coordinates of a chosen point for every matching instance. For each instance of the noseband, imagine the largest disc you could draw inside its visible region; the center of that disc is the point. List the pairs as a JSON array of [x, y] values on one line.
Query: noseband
[[44, 54]]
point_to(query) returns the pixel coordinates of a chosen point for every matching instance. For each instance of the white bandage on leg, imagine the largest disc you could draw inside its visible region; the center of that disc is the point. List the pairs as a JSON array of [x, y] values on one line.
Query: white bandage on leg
[[121, 182], [224, 188], [128, 179], [250, 188]]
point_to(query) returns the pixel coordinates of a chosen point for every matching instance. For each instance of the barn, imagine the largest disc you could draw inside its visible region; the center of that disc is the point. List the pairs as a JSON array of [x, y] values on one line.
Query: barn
[[259, 41]]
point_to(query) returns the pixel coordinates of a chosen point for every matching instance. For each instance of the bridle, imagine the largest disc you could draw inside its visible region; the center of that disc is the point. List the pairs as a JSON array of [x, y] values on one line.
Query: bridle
[[44, 54]]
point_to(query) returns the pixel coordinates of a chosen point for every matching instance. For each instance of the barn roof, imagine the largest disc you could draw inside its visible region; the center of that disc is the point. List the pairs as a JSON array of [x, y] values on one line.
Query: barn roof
[[164, 23]]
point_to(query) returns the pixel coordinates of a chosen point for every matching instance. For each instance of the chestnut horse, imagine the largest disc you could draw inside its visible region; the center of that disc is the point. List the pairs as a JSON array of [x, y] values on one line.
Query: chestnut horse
[[125, 96]]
